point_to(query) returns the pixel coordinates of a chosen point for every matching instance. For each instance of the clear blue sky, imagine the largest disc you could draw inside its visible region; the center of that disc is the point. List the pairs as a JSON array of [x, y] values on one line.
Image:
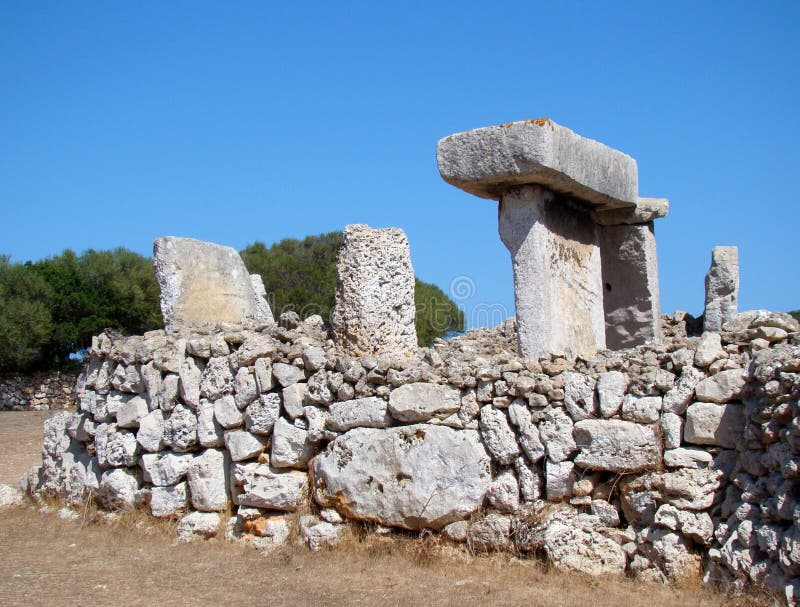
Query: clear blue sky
[[235, 122]]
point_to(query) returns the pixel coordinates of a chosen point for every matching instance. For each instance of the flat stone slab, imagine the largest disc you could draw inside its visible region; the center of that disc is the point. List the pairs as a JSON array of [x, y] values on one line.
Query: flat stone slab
[[616, 446], [411, 476], [645, 211], [487, 161]]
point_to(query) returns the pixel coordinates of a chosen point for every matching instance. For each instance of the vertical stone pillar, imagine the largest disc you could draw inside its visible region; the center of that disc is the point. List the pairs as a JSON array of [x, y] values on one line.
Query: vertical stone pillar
[[722, 288], [630, 285], [375, 310], [557, 272]]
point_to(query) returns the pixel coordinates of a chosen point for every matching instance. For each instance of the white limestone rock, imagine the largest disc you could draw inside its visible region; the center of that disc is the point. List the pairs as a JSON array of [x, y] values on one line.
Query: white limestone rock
[[414, 477], [115, 447], [217, 379], [10, 496], [261, 415], [641, 409], [709, 350], [611, 386], [687, 457], [530, 478], [168, 501], [559, 479], [245, 388], [712, 424], [490, 533], [131, 412], [504, 492], [180, 429], [681, 394], [286, 375], [527, 432], [243, 445], [190, 375], [317, 534], [369, 412], [294, 397], [722, 288], [203, 282], [209, 432], [616, 446], [498, 436], [227, 413], [580, 398], [118, 489], [208, 485], [291, 447], [198, 525], [375, 309], [555, 430], [261, 486], [263, 312], [420, 402], [151, 431], [263, 373], [165, 468], [253, 348], [722, 387], [572, 543], [314, 358]]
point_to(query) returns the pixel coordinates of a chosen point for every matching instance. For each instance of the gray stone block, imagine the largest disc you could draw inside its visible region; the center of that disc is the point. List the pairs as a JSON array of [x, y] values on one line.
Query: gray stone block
[[722, 288], [487, 161]]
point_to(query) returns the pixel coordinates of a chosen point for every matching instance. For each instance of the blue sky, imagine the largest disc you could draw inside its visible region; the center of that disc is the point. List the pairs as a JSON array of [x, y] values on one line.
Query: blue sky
[[235, 122]]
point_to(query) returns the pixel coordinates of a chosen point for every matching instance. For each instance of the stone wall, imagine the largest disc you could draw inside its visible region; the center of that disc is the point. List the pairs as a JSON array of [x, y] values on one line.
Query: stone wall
[[649, 461], [37, 391]]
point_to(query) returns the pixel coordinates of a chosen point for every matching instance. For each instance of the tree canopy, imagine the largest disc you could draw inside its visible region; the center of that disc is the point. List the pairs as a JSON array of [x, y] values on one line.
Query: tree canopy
[[300, 275]]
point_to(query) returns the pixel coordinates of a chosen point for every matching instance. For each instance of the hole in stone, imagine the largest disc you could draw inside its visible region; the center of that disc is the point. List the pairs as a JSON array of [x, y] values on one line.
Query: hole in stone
[[608, 287]]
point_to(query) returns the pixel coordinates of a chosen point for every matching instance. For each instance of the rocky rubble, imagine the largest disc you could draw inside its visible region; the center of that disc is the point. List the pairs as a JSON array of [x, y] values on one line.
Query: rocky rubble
[[38, 391], [655, 460]]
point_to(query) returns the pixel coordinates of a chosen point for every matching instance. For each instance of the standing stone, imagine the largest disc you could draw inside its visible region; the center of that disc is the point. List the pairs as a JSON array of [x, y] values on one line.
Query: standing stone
[[375, 308], [208, 482], [722, 288], [558, 290], [630, 285], [203, 282]]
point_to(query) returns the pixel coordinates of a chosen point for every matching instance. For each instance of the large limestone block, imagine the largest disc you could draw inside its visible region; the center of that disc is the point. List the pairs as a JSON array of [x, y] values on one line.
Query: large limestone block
[[261, 486], [722, 288], [630, 285], [208, 481], [713, 424], [412, 477], [616, 446], [558, 287], [419, 402], [375, 310], [487, 161], [572, 542], [204, 282]]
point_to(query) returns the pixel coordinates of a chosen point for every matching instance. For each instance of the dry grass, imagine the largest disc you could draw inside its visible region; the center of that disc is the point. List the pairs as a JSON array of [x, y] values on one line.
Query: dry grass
[[135, 561]]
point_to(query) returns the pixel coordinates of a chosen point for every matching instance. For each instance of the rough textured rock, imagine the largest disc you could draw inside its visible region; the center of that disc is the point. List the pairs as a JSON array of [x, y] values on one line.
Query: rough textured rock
[[261, 415], [412, 477], [722, 288], [420, 402], [118, 489], [317, 534], [203, 282], [370, 412], [616, 445], [558, 289], [722, 387], [611, 387], [168, 501], [291, 447], [486, 161], [572, 542], [260, 486], [151, 431], [208, 484], [559, 479], [630, 282], [166, 468], [243, 445], [490, 533], [198, 525], [712, 424], [498, 436], [374, 311]]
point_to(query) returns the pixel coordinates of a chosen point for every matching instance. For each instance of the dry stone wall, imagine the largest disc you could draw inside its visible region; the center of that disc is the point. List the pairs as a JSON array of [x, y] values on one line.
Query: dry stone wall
[[649, 461], [37, 391]]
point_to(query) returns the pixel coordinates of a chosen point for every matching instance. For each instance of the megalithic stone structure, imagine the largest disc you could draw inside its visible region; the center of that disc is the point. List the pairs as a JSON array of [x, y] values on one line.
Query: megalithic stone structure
[[722, 288], [581, 240], [204, 282], [375, 310]]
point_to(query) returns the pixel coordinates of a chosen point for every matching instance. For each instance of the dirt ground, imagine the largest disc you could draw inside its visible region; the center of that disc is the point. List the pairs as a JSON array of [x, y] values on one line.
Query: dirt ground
[[49, 561]]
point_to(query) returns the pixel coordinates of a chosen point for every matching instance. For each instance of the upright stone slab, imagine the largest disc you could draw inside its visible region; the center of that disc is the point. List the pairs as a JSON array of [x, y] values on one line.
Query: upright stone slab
[[557, 273], [630, 285], [204, 282], [556, 232], [722, 288], [374, 311]]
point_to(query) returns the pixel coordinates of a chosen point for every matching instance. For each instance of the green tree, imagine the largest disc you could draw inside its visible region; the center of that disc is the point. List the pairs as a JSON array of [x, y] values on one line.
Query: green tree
[[25, 322], [796, 314], [300, 275]]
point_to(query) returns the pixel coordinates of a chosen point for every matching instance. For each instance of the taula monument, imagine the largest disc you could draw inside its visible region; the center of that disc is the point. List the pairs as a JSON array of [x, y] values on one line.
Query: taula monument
[[581, 240], [591, 431]]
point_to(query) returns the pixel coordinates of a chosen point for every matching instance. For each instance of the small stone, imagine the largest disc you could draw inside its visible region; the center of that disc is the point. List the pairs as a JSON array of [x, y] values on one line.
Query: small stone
[[318, 534], [286, 375], [202, 525], [498, 436], [167, 501], [709, 349], [616, 446], [227, 413], [243, 445], [641, 409], [131, 412], [314, 358], [687, 458], [490, 533], [419, 402], [607, 513], [559, 478], [293, 399], [263, 375], [504, 492], [165, 468], [118, 489], [151, 431], [209, 431], [291, 447], [611, 387], [722, 387], [245, 389], [712, 424], [261, 486], [370, 412], [261, 415]]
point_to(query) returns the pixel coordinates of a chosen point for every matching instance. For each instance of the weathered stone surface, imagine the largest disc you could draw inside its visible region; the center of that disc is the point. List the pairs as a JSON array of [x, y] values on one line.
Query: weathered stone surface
[[375, 310], [671, 430], [641, 409], [616, 445], [712, 424], [572, 542], [131, 412], [686, 489], [286, 375], [208, 485], [687, 457], [646, 211], [209, 432], [243, 445], [253, 348], [722, 288], [263, 311], [709, 349], [558, 289], [203, 282], [180, 429], [291, 447], [559, 478], [681, 394], [370, 412], [115, 447], [217, 378], [413, 477], [722, 387], [420, 402], [198, 525], [151, 431], [630, 282], [504, 492], [167, 501], [498, 436], [580, 398], [10, 496], [118, 489], [294, 399], [555, 431], [527, 432], [318, 534], [611, 387], [490, 533], [486, 161], [165, 468], [261, 415], [261, 486]]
